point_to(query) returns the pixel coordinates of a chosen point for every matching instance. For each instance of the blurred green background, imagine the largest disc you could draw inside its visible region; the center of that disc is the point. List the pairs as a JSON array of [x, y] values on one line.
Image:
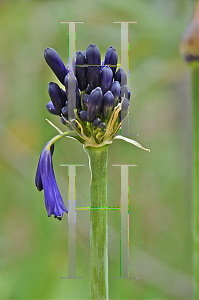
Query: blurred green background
[[33, 247]]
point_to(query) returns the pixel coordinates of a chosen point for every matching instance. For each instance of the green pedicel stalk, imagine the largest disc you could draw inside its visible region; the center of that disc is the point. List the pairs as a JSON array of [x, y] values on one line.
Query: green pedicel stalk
[[98, 223]]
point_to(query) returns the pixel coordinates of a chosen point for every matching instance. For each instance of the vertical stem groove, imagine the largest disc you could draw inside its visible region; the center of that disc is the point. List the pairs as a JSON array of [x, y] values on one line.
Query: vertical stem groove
[[98, 224]]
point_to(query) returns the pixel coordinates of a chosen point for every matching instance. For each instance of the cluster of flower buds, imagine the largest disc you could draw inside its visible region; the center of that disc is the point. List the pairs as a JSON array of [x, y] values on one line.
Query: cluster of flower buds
[[93, 106], [93, 90]]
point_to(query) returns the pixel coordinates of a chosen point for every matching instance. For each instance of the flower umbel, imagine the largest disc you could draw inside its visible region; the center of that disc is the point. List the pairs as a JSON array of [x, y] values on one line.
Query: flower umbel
[[93, 106]]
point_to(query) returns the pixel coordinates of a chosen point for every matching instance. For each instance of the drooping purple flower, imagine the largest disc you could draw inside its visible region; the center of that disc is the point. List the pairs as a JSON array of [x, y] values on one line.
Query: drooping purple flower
[[56, 96], [81, 72], [120, 76], [108, 104], [51, 109], [38, 182], [111, 58], [45, 179], [94, 104], [55, 63], [93, 57], [106, 78]]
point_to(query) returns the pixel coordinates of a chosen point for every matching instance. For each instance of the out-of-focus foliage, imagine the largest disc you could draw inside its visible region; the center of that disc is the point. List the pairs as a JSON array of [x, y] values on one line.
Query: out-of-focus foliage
[[33, 247]]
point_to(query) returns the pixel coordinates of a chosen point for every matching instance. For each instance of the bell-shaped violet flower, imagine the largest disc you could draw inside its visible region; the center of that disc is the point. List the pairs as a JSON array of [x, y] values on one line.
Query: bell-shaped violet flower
[[45, 179], [55, 63]]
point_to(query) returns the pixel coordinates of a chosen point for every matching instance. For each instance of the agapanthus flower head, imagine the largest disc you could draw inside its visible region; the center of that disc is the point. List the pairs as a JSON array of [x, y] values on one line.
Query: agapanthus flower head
[[93, 106], [93, 90]]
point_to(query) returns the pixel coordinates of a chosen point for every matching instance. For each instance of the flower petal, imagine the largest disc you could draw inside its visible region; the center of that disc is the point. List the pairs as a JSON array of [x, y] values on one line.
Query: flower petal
[[130, 141], [45, 178]]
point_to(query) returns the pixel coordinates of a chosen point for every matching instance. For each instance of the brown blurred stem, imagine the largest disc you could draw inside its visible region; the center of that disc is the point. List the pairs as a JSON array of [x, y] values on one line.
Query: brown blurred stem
[[195, 137]]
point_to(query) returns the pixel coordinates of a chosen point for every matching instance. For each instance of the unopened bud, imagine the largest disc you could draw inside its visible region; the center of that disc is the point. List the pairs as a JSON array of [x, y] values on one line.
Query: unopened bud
[[55, 63], [56, 96]]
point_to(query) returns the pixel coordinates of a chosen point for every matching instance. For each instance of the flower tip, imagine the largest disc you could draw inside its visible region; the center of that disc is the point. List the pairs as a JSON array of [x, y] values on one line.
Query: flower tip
[[58, 218]]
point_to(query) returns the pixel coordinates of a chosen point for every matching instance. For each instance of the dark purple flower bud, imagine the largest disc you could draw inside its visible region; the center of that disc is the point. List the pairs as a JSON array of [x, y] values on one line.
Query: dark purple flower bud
[[56, 96], [82, 115], [106, 78], [88, 89], [124, 110], [64, 111], [125, 90], [73, 95], [69, 68], [55, 63], [93, 57], [51, 109], [38, 182], [101, 126], [120, 76], [108, 104], [85, 100], [94, 104], [96, 122], [81, 72], [111, 58], [115, 89], [53, 200]]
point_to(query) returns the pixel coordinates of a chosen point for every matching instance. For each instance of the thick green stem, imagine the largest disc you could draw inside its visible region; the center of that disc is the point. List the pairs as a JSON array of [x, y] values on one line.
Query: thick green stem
[[98, 223], [195, 112]]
